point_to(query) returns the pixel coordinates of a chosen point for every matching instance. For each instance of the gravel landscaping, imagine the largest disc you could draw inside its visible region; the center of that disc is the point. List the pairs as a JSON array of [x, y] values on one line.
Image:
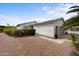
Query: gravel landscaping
[[32, 46]]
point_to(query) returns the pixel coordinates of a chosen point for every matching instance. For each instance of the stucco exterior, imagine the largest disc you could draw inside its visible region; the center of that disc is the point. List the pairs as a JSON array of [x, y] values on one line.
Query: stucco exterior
[[48, 29], [25, 25], [74, 30]]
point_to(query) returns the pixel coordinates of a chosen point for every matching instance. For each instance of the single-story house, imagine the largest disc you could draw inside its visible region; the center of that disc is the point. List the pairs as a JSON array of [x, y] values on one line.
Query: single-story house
[[26, 25], [49, 28], [74, 30]]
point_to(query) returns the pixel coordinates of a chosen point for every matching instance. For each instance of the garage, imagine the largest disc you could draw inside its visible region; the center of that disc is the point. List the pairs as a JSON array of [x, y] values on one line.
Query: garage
[[49, 28]]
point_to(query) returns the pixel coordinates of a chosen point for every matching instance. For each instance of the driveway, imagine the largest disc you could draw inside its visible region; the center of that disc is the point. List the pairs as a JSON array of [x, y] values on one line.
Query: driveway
[[32, 46]]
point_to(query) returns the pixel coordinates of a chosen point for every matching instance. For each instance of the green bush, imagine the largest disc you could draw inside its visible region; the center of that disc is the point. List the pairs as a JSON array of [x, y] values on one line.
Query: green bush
[[29, 32], [18, 33], [73, 38], [75, 41], [10, 31]]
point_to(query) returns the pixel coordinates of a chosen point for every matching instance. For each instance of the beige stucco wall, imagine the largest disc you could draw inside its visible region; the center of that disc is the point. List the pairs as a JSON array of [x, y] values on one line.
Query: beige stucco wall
[[23, 26], [19, 27], [47, 29]]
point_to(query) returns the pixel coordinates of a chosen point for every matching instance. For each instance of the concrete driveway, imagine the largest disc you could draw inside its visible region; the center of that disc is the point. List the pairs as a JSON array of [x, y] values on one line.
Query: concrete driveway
[[32, 46]]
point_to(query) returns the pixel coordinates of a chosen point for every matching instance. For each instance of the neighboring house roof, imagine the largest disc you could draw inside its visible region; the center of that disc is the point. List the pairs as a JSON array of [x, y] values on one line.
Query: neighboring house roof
[[28, 23], [50, 21]]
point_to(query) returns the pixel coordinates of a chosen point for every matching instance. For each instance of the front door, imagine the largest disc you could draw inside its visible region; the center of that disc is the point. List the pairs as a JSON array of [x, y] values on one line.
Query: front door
[[56, 32]]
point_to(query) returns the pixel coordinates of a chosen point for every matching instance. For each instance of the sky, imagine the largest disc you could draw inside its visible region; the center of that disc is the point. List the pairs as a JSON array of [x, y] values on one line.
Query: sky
[[16, 13]]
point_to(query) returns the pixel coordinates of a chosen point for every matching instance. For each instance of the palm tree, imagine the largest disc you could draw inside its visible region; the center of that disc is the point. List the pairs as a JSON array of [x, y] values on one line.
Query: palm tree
[[73, 21]]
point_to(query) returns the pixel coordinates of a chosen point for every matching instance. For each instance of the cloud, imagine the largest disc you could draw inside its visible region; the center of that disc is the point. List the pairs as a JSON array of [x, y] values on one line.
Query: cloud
[[12, 21], [59, 10], [46, 8], [40, 19], [3, 17], [51, 12], [56, 12]]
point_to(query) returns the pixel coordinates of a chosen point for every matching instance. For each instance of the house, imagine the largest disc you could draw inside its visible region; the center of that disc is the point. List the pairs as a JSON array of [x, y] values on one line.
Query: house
[[74, 30], [49, 28], [26, 25]]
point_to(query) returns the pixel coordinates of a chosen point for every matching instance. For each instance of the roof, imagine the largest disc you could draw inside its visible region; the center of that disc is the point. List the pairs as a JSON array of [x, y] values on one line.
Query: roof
[[50, 21], [28, 23]]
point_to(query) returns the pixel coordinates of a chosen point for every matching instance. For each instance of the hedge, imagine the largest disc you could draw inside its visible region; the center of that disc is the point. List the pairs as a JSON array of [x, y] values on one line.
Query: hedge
[[19, 33], [10, 31], [30, 32]]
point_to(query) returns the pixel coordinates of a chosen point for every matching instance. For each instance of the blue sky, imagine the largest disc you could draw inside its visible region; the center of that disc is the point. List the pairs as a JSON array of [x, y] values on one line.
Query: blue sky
[[15, 13]]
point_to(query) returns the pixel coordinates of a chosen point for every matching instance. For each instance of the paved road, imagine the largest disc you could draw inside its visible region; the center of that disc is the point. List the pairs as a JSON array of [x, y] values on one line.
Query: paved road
[[32, 46]]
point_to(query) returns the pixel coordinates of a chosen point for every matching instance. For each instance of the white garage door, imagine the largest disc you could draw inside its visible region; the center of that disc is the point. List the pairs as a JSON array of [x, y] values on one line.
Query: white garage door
[[46, 30]]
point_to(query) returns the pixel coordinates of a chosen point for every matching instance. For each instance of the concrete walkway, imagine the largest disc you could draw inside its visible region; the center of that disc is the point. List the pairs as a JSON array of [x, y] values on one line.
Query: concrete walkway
[[60, 41]]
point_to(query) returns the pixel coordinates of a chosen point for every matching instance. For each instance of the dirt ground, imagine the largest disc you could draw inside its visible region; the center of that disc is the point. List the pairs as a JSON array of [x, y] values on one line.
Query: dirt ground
[[32, 46]]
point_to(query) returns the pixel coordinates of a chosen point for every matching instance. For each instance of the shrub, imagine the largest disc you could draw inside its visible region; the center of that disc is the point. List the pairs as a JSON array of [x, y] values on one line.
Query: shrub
[[18, 33], [29, 32], [75, 41], [10, 31], [73, 38]]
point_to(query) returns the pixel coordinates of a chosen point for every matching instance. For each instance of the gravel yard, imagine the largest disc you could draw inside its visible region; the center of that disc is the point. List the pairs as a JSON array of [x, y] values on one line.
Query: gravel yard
[[32, 46]]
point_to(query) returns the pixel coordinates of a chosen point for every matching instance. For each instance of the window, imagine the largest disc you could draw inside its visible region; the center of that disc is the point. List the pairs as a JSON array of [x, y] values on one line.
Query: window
[[75, 29]]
